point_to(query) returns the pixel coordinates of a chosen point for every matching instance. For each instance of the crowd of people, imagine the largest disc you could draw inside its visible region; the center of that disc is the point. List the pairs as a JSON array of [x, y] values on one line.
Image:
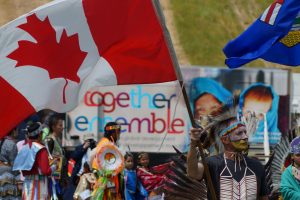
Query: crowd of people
[[34, 168], [38, 168]]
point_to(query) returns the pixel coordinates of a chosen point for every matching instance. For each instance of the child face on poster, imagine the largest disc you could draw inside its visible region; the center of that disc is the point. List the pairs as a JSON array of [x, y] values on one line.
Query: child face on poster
[[258, 100], [206, 97], [206, 105], [262, 101]]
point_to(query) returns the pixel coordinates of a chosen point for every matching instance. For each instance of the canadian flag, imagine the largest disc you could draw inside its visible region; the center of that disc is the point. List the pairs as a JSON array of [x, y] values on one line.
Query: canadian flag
[[52, 55]]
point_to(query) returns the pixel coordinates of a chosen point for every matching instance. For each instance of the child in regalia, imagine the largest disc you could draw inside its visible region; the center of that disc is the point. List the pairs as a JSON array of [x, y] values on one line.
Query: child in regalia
[[153, 179], [134, 190]]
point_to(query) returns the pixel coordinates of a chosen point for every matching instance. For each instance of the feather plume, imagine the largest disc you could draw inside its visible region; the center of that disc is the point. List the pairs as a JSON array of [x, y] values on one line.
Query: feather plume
[[180, 186], [275, 166]]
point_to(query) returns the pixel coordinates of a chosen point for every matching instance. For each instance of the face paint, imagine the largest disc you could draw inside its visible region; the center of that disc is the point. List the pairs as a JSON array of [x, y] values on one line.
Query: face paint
[[241, 145], [239, 133], [239, 139]]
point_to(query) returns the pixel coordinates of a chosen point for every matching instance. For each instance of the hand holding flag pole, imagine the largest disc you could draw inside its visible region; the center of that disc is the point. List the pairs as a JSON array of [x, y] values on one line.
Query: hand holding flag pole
[[185, 96]]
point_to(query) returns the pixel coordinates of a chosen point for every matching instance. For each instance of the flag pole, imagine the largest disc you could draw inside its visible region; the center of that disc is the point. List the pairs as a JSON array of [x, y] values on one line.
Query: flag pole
[[186, 100]]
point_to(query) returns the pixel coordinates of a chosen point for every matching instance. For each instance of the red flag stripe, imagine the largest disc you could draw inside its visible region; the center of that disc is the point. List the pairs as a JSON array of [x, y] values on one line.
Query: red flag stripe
[[136, 48], [271, 10], [14, 107]]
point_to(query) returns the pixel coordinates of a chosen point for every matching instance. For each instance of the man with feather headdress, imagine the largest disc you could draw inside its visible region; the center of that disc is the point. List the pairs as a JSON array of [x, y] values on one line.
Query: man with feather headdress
[[233, 173]]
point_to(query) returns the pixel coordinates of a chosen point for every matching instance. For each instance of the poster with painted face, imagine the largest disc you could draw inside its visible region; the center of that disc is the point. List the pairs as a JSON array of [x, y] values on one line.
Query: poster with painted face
[[261, 99], [264, 92], [153, 117]]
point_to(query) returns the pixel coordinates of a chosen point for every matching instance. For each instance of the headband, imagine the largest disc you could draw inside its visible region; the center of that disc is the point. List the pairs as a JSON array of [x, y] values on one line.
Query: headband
[[37, 131], [113, 127], [231, 128]]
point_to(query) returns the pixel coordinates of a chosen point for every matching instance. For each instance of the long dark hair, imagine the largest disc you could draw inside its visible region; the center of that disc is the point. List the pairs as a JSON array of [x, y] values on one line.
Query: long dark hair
[[54, 119]]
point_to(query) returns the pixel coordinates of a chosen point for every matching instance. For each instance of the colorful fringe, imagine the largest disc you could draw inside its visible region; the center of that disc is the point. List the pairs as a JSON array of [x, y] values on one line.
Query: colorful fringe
[[35, 187]]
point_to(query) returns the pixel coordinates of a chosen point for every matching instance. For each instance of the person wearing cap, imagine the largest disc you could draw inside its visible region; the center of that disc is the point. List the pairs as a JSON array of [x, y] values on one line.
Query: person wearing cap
[[86, 148], [290, 179], [33, 161], [80, 157]]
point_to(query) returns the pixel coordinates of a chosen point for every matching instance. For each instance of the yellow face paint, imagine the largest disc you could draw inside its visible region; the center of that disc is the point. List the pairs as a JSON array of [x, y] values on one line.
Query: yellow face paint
[[241, 145]]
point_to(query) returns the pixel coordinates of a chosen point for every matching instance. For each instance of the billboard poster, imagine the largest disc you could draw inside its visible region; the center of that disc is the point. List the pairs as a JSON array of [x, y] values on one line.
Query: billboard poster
[[153, 117], [263, 91]]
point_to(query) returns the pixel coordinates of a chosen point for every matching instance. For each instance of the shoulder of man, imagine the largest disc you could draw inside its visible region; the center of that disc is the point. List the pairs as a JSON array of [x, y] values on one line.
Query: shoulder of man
[[254, 163], [214, 160]]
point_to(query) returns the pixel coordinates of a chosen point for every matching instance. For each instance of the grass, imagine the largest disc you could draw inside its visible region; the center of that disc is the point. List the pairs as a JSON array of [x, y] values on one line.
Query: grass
[[205, 26]]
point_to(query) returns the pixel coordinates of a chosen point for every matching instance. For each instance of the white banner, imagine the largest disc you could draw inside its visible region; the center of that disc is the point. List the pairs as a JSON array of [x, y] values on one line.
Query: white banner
[[153, 117]]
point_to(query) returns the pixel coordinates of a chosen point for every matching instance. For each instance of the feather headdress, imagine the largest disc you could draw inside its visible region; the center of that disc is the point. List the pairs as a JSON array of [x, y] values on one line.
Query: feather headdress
[[229, 112], [221, 124]]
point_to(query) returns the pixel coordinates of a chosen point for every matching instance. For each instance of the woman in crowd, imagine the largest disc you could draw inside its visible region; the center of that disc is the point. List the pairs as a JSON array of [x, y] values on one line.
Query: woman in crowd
[[53, 143], [55, 136], [290, 179]]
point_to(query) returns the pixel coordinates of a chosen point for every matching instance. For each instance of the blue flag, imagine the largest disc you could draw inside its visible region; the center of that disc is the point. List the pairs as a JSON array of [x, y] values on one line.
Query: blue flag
[[274, 37]]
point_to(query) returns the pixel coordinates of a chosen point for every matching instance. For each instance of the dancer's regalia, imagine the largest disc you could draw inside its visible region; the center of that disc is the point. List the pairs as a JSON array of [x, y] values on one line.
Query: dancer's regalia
[[108, 163], [153, 178], [134, 189], [33, 161], [238, 178]]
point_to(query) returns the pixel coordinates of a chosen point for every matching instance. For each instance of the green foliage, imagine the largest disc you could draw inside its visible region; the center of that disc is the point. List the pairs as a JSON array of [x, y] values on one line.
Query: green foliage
[[205, 26]]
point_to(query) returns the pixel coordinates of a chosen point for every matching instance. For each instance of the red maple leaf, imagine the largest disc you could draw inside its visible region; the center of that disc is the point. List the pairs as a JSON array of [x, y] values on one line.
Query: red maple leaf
[[61, 59]]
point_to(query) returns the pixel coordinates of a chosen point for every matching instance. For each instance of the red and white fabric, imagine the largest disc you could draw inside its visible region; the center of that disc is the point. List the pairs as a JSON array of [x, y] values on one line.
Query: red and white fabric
[[52, 55]]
